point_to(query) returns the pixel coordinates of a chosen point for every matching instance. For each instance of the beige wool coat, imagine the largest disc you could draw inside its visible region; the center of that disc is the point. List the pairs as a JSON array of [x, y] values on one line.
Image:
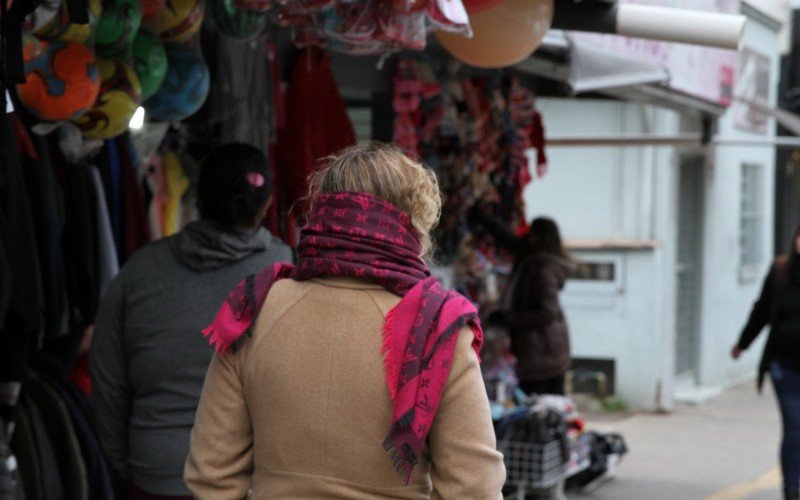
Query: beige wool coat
[[302, 409]]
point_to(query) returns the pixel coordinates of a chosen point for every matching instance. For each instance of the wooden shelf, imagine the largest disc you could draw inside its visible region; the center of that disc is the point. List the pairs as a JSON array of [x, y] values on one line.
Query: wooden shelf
[[601, 244]]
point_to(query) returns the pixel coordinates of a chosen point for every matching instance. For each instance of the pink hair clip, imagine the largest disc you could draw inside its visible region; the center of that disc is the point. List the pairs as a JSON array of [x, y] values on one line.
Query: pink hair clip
[[255, 179]]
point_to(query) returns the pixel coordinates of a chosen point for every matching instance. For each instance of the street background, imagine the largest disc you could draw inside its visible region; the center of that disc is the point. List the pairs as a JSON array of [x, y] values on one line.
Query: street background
[[722, 449]]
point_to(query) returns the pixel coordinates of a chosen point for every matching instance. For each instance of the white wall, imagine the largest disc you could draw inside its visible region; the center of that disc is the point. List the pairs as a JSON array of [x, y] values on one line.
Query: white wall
[[599, 192], [614, 193], [727, 298]]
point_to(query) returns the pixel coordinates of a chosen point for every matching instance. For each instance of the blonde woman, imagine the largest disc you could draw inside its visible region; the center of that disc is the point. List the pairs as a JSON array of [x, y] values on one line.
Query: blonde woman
[[359, 376]]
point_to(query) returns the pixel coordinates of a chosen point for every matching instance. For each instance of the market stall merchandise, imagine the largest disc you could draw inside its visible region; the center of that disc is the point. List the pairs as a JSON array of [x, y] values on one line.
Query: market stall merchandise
[[118, 25], [62, 79], [184, 88], [235, 75], [62, 26], [149, 61], [120, 95]]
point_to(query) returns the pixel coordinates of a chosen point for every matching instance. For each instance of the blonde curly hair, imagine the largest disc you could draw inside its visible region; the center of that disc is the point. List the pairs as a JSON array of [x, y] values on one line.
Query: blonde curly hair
[[383, 170]]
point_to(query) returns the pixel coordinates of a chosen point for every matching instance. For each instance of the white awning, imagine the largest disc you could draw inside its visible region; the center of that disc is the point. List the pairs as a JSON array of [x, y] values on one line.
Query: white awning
[[587, 69], [593, 70], [564, 58]]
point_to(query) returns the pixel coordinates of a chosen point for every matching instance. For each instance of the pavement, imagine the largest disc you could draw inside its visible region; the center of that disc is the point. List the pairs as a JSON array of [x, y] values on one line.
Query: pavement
[[723, 449]]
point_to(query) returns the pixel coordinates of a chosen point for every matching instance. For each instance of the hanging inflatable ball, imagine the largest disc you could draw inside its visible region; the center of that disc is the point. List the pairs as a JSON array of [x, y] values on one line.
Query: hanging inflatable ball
[[179, 20], [120, 96], [234, 22], [184, 89], [150, 62], [61, 79], [151, 8], [59, 27], [117, 26], [43, 14]]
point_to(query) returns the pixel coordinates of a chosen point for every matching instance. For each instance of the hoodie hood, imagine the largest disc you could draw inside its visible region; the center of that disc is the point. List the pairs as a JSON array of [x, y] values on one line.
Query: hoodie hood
[[205, 246]]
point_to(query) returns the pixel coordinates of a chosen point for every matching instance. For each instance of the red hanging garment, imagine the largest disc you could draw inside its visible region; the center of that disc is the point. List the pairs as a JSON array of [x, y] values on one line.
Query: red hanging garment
[[317, 124], [538, 141]]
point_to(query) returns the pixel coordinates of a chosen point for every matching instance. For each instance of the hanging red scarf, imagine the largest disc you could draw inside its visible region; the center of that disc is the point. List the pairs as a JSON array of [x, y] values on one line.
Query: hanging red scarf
[[360, 235]]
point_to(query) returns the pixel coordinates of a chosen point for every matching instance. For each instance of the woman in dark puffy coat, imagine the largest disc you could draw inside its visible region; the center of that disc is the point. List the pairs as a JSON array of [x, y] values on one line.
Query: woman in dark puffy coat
[[532, 311], [779, 307]]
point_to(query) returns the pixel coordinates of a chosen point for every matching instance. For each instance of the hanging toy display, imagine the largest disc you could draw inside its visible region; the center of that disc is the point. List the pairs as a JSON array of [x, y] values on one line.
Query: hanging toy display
[[503, 35], [255, 5], [363, 27], [477, 6], [117, 26], [179, 20], [149, 61], [59, 27], [42, 15], [62, 79], [475, 133], [120, 96], [185, 87], [235, 22], [151, 8]]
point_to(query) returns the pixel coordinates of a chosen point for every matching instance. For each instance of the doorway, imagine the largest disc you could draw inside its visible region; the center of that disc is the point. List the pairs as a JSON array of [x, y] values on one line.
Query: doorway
[[691, 187]]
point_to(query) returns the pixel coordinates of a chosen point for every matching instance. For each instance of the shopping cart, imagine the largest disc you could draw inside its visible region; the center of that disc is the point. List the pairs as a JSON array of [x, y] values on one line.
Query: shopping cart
[[539, 450], [534, 470]]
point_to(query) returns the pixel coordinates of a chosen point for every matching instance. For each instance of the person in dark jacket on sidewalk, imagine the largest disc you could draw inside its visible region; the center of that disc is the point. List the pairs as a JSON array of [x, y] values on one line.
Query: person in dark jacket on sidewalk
[[148, 360], [531, 311], [779, 307]]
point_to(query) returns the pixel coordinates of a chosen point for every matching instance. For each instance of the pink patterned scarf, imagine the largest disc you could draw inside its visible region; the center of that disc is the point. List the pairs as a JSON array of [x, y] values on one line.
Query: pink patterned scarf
[[360, 235]]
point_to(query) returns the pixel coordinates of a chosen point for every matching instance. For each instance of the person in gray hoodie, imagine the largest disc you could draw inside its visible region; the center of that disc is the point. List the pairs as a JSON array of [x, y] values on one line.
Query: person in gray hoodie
[[148, 358]]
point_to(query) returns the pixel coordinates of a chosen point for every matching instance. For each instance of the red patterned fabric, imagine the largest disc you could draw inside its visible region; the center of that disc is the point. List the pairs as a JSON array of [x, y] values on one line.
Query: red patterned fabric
[[538, 140], [317, 124], [360, 235]]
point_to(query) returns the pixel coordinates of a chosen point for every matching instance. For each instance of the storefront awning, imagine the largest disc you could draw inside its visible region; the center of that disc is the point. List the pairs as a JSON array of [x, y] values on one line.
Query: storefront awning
[[588, 69], [594, 70], [565, 58]]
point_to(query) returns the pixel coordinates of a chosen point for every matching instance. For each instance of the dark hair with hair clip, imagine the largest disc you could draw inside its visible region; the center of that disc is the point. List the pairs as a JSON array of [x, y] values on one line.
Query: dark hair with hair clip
[[234, 184]]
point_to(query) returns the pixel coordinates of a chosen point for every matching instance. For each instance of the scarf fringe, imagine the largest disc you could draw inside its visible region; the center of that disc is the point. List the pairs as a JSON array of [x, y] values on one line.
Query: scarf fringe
[[403, 458], [215, 339]]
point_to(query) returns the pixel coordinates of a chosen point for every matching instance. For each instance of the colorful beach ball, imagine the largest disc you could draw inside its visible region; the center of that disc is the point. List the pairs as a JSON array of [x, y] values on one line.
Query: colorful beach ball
[[179, 20], [184, 89], [43, 14], [61, 79], [234, 22], [117, 26], [151, 8], [149, 61], [59, 28], [119, 97]]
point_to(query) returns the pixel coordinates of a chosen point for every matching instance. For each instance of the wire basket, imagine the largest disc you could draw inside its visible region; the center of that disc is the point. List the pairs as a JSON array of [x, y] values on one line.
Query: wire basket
[[533, 465]]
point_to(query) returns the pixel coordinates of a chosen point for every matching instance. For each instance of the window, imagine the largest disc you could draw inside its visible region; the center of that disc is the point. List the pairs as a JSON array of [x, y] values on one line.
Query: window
[[361, 117], [359, 109], [594, 271], [751, 222], [596, 283]]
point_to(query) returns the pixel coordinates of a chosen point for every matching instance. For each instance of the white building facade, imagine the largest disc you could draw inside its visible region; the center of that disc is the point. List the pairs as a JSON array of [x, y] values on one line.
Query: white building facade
[[670, 208]]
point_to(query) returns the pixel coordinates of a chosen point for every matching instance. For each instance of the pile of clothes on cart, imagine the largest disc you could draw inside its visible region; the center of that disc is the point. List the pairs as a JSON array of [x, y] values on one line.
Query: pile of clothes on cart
[[545, 443]]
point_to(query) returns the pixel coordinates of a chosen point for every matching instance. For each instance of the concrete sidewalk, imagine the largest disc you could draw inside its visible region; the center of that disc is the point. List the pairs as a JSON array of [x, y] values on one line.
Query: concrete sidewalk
[[724, 449]]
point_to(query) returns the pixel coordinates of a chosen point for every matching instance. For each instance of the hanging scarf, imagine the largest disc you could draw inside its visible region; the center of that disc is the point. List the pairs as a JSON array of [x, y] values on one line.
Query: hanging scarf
[[362, 236]]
